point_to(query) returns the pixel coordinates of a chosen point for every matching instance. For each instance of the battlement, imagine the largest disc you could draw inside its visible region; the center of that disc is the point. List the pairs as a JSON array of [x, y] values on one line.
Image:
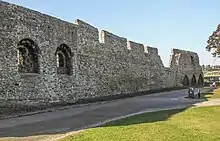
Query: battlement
[[136, 48], [113, 41], [85, 25], [118, 43], [91, 34], [85, 34], [152, 50]]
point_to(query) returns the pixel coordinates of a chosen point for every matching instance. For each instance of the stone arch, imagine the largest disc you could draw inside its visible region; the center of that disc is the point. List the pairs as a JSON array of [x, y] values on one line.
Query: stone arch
[[28, 54], [64, 59], [200, 80], [185, 81], [193, 80]]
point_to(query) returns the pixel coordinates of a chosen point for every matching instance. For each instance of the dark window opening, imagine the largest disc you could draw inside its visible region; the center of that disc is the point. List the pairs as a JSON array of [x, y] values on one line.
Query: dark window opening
[[28, 56], [64, 59], [193, 81], [192, 60], [185, 81]]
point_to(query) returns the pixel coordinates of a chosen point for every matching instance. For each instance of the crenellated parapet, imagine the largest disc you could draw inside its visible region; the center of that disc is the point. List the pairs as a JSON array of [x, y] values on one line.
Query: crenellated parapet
[[136, 48], [152, 50], [88, 33], [113, 41]]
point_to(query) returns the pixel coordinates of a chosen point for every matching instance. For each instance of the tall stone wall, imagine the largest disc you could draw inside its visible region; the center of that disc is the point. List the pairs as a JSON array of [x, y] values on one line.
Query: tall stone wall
[[91, 69], [48, 33]]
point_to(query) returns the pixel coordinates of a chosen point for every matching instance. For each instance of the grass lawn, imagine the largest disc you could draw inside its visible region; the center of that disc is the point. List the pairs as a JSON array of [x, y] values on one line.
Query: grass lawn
[[212, 94], [193, 124]]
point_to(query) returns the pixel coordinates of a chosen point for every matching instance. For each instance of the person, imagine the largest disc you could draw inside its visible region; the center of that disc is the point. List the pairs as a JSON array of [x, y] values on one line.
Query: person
[[214, 85], [199, 93], [190, 92], [211, 87]]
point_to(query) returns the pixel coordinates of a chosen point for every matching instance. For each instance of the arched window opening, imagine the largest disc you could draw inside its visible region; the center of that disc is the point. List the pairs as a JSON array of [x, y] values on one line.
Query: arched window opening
[[185, 81], [193, 80], [64, 59], [200, 80], [28, 56]]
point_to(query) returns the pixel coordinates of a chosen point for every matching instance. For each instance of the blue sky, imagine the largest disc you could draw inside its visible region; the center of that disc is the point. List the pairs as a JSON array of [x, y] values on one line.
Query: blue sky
[[165, 24]]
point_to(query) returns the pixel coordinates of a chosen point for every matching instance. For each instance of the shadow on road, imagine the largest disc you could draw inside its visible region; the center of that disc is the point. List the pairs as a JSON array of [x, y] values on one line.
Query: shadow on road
[[157, 116], [146, 118]]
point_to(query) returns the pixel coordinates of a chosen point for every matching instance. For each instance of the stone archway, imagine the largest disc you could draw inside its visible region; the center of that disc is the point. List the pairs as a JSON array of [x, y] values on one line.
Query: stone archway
[[185, 81], [193, 80], [200, 80]]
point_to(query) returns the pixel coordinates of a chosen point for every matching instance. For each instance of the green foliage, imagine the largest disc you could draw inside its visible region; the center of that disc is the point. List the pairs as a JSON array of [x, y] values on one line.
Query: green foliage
[[214, 43]]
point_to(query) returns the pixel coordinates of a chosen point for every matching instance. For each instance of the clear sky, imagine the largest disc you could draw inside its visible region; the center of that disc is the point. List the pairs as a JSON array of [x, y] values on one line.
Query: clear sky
[[165, 24]]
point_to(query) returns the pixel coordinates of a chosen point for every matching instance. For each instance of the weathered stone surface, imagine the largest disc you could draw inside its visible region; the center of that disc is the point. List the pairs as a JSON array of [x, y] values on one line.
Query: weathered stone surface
[[67, 61]]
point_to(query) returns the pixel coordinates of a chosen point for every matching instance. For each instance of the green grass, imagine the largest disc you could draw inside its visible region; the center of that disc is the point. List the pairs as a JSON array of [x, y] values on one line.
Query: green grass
[[212, 94], [193, 124]]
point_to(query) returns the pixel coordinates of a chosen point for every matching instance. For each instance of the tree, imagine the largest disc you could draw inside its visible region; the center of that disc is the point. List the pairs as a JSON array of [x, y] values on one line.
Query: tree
[[214, 43]]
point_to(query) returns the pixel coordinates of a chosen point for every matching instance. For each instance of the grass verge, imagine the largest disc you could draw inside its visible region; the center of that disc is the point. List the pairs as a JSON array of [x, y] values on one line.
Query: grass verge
[[212, 94], [193, 124]]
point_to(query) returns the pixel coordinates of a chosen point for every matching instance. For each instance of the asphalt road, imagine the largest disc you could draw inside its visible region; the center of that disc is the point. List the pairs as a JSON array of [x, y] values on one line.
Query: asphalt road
[[76, 118]]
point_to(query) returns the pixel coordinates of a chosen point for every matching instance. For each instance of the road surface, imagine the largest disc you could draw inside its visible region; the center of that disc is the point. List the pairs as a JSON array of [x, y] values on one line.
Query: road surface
[[73, 119]]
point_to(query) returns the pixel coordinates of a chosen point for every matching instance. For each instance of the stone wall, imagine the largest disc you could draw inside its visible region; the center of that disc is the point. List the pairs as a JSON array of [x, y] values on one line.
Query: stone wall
[[67, 62]]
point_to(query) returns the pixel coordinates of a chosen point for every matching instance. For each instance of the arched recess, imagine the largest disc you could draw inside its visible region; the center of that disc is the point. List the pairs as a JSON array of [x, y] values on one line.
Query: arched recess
[[200, 80], [28, 54], [193, 80], [185, 81], [64, 59]]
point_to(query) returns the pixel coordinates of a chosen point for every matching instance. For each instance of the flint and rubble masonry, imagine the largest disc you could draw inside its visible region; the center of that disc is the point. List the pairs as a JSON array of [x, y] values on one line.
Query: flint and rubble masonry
[[45, 59]]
